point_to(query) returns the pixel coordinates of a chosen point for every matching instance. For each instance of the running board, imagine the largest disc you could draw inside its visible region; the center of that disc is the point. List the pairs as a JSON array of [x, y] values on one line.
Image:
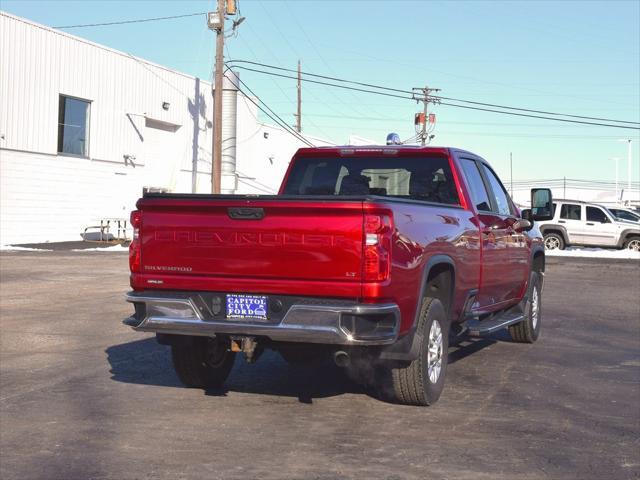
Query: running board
[[479, 328]]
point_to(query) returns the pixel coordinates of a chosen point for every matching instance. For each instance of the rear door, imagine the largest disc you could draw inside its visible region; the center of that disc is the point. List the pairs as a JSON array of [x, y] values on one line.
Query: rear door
[[252, 239], [518, 249], [496, 279], [571, 219]]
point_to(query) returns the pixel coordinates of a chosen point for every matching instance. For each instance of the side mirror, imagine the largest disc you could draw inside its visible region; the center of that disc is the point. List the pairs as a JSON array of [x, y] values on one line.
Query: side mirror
[[541, 204], [522, 225]]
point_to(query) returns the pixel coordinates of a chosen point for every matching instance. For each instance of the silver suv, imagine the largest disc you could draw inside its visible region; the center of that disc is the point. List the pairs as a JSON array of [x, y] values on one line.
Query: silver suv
[[581, 223]]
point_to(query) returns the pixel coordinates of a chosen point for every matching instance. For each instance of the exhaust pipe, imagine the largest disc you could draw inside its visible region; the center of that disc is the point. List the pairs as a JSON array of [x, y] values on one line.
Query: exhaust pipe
[[341, 358]]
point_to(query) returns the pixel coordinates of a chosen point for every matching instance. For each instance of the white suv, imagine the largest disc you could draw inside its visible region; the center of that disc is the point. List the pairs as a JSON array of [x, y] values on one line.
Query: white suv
[[580, 223]]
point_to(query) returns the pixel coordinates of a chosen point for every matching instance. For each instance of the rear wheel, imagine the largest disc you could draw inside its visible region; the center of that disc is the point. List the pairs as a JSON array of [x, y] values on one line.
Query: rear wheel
[[206, 363], [553, 241], [421, 382], [528, 330], [633, 244]]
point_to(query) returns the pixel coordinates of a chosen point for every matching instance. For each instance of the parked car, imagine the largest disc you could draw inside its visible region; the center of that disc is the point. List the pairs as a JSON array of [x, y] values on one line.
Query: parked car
[[625, 214], [587, 224], [374, 255]]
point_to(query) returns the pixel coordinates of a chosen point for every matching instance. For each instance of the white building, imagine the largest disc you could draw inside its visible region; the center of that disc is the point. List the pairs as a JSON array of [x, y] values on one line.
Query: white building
[[84, 128]]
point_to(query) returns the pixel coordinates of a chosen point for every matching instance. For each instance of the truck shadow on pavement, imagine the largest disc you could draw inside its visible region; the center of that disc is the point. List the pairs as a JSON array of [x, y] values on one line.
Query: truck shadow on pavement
[[145, 362], [467, 346]]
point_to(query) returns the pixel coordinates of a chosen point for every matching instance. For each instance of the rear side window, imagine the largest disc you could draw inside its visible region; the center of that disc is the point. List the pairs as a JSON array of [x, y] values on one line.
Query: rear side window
[[570, 211], [625, 215], [502, 204], [419, 178], [477, 189], [596, 215]]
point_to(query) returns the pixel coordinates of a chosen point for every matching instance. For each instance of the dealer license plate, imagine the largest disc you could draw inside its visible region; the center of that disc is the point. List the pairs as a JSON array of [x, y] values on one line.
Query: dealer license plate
[[246, 306]]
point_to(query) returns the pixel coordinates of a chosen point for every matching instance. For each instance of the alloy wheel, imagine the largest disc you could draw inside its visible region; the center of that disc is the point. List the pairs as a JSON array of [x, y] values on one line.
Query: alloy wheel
[[435, 352], [551, 243]]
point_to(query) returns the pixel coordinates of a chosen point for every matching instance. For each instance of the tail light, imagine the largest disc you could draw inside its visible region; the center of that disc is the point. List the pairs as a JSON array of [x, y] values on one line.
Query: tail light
[[377, 247], [134, 247]]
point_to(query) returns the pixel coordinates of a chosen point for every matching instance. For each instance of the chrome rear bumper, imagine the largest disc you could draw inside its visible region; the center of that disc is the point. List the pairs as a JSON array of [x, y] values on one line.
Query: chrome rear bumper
[[354, 324]]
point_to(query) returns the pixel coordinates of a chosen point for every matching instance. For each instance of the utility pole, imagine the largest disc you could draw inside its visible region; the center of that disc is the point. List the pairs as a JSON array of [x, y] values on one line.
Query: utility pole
[[299, 114], [216, 22], [424, 95]]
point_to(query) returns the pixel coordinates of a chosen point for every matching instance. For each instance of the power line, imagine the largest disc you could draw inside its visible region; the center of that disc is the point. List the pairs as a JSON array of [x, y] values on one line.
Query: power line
[[396, 90], [123, 22], [445, 103], [321, 83], [280, 121], [540, 117]]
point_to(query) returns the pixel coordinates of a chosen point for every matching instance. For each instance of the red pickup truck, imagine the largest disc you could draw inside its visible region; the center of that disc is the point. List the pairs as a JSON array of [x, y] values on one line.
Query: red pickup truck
[[374, 255]]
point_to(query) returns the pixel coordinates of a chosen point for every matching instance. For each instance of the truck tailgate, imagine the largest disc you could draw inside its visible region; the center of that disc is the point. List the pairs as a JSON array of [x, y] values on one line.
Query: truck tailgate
[[252, 239]]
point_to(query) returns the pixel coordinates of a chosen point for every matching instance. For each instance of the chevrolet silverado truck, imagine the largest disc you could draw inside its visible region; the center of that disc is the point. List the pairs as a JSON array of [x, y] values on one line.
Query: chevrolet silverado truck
[[374, 255]]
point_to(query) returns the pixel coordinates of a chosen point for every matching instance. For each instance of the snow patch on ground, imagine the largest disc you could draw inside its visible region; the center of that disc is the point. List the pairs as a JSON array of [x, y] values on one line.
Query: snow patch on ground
[[594, 253], [113, 248], [11, 248]]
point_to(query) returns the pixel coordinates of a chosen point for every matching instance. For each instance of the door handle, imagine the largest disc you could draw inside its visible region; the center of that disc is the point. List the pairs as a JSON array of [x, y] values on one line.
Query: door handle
[[589, 223], [561, 221], [246, 213]]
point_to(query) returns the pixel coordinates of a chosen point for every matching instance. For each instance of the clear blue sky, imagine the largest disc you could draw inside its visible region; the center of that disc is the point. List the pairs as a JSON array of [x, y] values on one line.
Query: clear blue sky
[[578, 57]]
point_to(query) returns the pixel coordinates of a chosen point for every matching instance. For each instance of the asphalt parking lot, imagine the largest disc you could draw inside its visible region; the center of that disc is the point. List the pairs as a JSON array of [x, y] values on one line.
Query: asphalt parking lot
[[82, 396]]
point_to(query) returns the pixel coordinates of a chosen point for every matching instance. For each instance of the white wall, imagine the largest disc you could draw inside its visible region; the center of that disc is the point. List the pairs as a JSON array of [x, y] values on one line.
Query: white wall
[[47, 196], [51, 198]]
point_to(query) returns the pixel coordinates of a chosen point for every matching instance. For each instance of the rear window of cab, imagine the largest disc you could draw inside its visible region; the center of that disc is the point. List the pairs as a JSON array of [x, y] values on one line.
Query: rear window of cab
[[418, 178]]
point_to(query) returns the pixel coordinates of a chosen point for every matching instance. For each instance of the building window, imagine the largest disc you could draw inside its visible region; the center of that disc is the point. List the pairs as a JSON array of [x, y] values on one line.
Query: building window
[[73, 126]]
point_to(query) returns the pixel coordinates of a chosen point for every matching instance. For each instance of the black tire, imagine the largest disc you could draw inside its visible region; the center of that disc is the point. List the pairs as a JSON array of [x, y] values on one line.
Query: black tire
[[411, 384], [553, 241], [632, 243], [206, 363], [528, 330]]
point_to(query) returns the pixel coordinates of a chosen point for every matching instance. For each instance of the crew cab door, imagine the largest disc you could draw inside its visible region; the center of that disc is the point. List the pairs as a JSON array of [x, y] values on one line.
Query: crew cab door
[[505, 261]]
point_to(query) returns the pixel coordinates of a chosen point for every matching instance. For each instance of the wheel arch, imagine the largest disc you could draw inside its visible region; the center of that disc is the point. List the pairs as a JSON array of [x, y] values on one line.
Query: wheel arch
[[407, 348], [538, 259], [626, 235], [443, 268], [555, 229]]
